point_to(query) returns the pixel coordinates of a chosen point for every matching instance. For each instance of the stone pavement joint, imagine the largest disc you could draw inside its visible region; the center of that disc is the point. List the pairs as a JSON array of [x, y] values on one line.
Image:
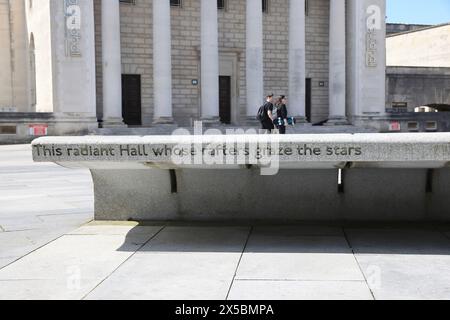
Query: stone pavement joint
[[170, 248], [239, 262], [356, 260], [123, 262], [29, 196], [30, 252], [199, 260]]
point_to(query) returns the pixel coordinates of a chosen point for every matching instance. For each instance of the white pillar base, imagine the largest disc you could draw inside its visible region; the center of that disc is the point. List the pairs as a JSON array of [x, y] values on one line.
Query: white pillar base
[[337, 121], [68, 124], [210, 120], [301, 120], [113, 123], [163, 120]]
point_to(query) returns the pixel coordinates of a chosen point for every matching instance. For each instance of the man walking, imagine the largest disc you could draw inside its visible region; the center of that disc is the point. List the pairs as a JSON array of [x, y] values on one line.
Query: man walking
[[267, 120]]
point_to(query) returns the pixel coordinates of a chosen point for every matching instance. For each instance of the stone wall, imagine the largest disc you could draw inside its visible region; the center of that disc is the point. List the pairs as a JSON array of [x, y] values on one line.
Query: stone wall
[[136, 25], [428, 47], [393, 28], [418, 86]]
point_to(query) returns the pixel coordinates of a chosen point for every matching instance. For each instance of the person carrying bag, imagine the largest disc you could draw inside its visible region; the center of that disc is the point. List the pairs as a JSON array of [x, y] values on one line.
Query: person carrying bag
[[265, 116]]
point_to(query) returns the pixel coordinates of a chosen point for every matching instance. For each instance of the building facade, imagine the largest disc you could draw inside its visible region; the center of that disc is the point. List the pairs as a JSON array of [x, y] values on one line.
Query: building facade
[[418, 73], [152, 62], [395, 28]]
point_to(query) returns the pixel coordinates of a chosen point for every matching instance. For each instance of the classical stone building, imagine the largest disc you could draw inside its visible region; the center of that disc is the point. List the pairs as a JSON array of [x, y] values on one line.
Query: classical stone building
[[15, 93], [418, 71], [418, 78], [151, 62], [395, 28]]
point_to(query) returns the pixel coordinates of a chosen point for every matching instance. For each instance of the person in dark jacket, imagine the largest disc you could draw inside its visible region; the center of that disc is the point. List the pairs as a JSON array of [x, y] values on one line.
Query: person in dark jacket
[[267, 122], [282, 114]]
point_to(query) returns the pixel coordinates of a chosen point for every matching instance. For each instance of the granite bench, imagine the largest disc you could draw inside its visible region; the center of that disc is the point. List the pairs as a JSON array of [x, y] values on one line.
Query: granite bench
[[338, 177]]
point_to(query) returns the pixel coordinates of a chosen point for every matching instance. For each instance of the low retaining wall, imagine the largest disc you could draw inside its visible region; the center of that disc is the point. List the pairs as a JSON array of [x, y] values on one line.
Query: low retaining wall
[[361, 177], [17, 127], [20, 127]]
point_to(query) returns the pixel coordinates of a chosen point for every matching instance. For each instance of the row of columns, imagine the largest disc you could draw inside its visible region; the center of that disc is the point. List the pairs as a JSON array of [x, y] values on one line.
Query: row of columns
[[162, 62]]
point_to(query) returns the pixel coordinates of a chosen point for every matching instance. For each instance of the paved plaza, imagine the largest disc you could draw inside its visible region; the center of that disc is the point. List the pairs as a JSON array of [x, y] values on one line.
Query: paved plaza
[[51, 249]]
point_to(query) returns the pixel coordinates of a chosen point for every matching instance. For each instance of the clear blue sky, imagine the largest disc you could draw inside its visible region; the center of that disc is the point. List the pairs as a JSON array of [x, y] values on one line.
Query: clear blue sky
[[418, 11]]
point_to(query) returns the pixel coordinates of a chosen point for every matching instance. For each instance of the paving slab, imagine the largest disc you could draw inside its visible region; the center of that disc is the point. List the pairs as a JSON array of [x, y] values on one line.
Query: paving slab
[[42, 256], [407, 277], [403, 264], [105, 228], [394, 240], [11, 186], [299, 230], [34, 205], [67, 218], [20, 222], [300, 290], [42, 197], [69, 267], [180, 263], [274, 254], [43, 220], [45, 289], [18, 243], [4, 261]]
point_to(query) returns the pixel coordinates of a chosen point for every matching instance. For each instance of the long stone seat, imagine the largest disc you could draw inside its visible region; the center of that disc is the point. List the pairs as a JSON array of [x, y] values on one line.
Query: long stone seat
[[338, 177]]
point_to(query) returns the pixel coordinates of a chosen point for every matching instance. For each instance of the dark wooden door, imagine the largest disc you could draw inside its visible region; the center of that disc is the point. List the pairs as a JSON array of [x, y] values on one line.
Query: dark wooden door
[[225, 99], [308, 100], [131, 99]]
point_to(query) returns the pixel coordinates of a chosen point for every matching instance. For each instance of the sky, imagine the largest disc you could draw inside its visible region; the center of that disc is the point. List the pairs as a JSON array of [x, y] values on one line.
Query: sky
[[418, 11]]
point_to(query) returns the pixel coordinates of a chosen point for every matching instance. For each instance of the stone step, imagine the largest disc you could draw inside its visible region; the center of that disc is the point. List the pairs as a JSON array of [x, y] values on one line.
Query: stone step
[[168, 130]]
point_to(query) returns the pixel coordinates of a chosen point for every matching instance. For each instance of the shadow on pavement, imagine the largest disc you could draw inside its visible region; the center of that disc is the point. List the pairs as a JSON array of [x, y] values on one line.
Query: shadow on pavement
[[376, 238]]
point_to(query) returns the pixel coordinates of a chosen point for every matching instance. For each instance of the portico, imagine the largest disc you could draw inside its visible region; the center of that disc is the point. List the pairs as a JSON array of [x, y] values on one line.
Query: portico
[[165, 59], [341, 45]]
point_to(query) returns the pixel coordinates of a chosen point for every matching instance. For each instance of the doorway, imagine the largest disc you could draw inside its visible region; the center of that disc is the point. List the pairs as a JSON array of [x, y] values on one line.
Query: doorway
[[225, 99], [131, 99], [308, 99]]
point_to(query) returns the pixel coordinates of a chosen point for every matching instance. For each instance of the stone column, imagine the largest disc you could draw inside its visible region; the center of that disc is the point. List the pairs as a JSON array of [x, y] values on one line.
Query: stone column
[[337, 56], [68, 87], [297, 59], [254, 57], [20, 62], [112, 64], [209, 61], [162, 62], [6, 90], [366, 48]]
